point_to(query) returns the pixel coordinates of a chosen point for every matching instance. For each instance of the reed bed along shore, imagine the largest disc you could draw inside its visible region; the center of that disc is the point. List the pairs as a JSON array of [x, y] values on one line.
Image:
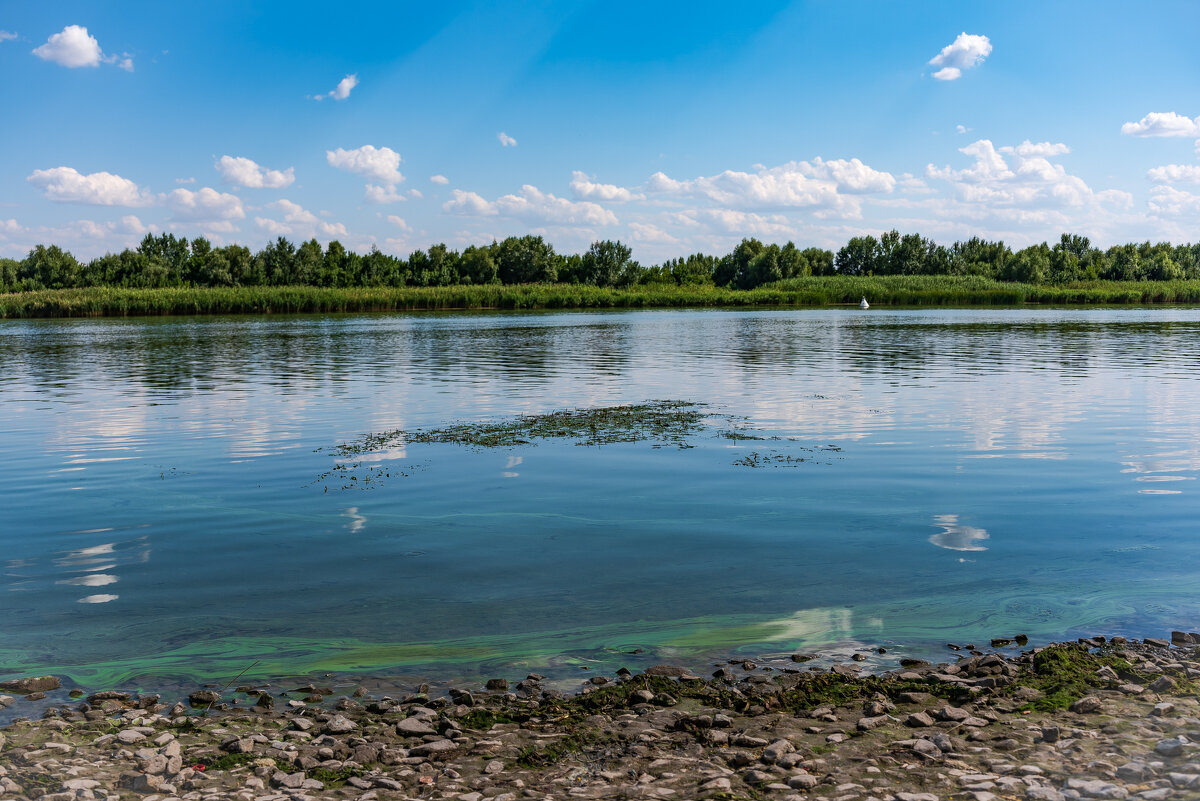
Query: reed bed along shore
[[809, 291]]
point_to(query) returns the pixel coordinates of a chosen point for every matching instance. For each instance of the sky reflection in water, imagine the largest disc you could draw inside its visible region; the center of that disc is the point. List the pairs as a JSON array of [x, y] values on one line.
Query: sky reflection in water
[[167, 512]]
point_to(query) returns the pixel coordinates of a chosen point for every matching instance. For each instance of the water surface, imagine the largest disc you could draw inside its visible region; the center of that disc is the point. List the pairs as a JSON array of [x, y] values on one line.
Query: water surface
[[947, 475]]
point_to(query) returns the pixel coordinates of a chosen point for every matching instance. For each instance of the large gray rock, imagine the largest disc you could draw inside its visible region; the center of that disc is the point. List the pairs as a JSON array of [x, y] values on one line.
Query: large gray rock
[[339, 724], [33, 684], [414, 727]]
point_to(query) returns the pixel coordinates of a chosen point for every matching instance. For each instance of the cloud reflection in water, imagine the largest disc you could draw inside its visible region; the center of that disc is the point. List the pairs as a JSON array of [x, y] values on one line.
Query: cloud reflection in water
[[957, 537]]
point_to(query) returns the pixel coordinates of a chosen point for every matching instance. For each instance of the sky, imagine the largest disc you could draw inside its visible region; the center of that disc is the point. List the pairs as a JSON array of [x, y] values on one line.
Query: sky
[[673, 127]]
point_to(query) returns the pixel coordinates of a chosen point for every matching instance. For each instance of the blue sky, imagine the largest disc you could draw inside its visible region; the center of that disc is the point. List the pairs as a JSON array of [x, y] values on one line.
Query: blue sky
[[673, 127]]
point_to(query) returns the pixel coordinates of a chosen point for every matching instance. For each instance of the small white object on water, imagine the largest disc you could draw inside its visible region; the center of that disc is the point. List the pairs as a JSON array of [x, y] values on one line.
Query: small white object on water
[[863, 304]]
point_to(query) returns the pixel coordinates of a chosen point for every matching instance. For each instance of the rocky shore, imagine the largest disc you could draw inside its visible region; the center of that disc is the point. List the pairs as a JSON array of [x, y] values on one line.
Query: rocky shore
[[1096, 719]]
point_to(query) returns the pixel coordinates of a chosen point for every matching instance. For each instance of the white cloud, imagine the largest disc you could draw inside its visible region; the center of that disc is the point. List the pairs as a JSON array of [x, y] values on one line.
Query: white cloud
[[741, 223], [850, 176], [125, 63], [1028, 149], [968, 50], [1175, 173], [383, 194], [531, 206], [204, 205], [399, 222], [584, 189], [962, 129], [6, 35], [380, 164], [506, 140], [1030, 182], [72, 47], [439, 179], [828, 187], [273, 227], [299, 220], [1159, 123], [1171, 202], [415, 193], [185, 180], [342, 90], [646, 232], [241, 171], [469, 204], [67, 185]]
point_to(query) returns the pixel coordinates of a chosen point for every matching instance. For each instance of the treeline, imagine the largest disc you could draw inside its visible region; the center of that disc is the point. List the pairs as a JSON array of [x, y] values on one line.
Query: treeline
[[167, 261]]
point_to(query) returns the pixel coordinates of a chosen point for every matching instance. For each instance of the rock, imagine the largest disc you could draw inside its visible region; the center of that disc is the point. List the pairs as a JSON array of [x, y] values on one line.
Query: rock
[[414, 727], [1162, 684], [292, 781], [1170, 747], [33, 684], [435, 748], [265, 701], [238, 745], [1000, 642], [493, 767], [1106, 673], [1095, 788], [1086, 705], [1156, 642], [918, 720], [803, 781], [1163, 709], [754, 778], [130, 736], [671, 671], [497, 685], [717, 785], [866, 724], [916, 797], [204, 698], [1043, 793], [1131, 689], [953, 713], [1050, 734], [803, 657], [339, 725]]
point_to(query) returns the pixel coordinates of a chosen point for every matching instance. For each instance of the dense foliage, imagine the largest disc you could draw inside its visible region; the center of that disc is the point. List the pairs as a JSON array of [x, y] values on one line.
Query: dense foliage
[[167, 261]]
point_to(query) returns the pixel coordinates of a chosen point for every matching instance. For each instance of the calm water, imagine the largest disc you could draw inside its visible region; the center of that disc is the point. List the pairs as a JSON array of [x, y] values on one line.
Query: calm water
[[966, 474]]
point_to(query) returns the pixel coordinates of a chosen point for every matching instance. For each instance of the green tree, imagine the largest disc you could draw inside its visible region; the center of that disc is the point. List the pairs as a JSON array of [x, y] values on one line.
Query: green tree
[[525, 260], [50, 268], [859, 256], [607, 263], [477, 266]]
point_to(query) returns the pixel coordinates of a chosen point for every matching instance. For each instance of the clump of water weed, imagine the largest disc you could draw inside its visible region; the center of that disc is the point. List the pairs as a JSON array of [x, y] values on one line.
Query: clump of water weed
[[663, 422]]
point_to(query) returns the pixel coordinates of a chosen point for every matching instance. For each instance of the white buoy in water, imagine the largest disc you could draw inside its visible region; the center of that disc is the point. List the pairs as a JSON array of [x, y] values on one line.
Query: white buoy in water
[[863, 304]]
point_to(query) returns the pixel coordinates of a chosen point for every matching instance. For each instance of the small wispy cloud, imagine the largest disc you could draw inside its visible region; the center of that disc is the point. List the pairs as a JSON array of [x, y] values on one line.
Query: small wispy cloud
[[506, 140], [342, 90], [6, 35]]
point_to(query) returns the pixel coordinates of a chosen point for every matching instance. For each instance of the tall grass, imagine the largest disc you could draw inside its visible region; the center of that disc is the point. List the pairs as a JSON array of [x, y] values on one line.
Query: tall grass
[[810, 291]]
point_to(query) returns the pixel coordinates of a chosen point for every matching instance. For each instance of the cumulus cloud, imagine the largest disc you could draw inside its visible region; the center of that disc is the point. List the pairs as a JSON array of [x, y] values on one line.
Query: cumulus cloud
[[1168, 201], [381, 164], [383, 194], [399, 222], [740, 223], [342, 90], [1163, 123], [298, 219], [75, 47], [968, 50], [506, 140], [204, 205], [646, 232], [531, 206], [6, 35], [439, 179], [1027, 178], [72, 47], [469, 204], [241, 171], [67, 185], [583, 188], [1175, 174], [827, 187]]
